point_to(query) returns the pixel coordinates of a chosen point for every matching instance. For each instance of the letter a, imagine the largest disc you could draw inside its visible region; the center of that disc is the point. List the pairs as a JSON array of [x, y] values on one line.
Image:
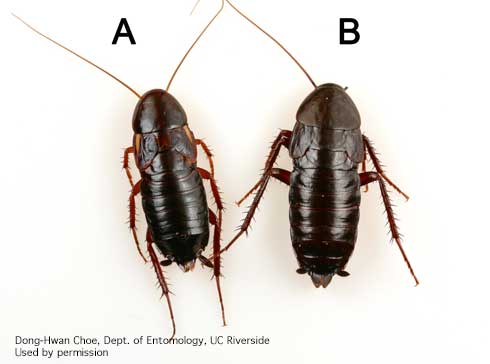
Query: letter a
[[127, 33]]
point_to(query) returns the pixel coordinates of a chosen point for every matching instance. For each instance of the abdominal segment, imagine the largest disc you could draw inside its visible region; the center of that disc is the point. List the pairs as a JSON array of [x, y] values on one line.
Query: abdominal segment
[[324, 213]]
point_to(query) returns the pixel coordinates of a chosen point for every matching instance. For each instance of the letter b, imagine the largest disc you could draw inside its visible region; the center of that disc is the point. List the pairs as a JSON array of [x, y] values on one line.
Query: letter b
[[352, 30]]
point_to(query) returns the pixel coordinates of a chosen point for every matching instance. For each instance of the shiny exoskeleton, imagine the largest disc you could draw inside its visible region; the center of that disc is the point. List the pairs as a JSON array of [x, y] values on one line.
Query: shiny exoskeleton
[[173, 196], [171, 186], [326, 146]]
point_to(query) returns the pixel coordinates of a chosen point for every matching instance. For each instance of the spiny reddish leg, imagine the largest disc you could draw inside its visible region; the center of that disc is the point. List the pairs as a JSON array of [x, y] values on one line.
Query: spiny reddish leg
[[377, 165], [214, 187], [281, 140], [127, 152], [217, 221], [278, 173], [161, 278], [208, 153], [369, 177], [281, 175], [132, 216], [257, 185], [363, 167]]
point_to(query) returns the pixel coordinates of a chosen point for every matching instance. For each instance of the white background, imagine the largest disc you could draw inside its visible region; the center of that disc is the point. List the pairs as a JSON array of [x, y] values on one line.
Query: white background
[[419, 77]]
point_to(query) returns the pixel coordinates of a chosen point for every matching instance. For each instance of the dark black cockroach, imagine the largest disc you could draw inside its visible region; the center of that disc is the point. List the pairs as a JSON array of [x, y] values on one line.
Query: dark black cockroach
[[326, 146], [171, 186]]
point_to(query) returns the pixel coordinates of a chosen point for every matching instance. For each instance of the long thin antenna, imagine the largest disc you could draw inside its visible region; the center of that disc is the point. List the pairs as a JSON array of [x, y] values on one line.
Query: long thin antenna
[[193, 44], [79, 56], [275, 41], [194, 7]]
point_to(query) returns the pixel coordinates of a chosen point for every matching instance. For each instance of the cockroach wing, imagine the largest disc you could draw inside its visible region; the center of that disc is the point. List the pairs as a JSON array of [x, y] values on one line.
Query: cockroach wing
[[354, 145], [182, 141], [331, 139], [300, 141], [146, 149]]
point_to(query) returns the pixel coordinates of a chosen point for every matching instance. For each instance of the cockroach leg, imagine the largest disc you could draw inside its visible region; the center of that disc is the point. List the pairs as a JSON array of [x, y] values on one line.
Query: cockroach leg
[[132, 216], [260, 181], [257, 185], [363, 166], [214, 187], [369, 177], [216, 265], [208, 153], [160, 277], [282, 139], [216, 221], [127, 152], [281, 175], [377, 165]]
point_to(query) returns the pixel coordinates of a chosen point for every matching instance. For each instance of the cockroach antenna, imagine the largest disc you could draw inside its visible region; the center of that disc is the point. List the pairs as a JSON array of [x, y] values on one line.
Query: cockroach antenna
[[275, 41], [195, 6], [195, 42], [187, 216], [78, 55]]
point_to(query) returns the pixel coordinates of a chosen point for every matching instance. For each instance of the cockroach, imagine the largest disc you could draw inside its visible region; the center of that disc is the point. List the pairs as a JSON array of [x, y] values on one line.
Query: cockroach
[[171, 184], [326, 147]]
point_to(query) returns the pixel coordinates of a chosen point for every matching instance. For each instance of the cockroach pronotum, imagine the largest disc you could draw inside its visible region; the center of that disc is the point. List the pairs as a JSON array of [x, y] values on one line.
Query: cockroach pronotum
[[171, 186], [326, 146]]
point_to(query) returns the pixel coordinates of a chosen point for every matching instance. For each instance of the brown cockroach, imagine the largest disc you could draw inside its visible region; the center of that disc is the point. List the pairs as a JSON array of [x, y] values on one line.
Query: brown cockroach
[[326, 146], [171, 186]]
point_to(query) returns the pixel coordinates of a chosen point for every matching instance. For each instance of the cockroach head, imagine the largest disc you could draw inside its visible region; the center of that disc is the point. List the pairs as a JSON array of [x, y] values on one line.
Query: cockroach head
[[329, 106], [157, 110]]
